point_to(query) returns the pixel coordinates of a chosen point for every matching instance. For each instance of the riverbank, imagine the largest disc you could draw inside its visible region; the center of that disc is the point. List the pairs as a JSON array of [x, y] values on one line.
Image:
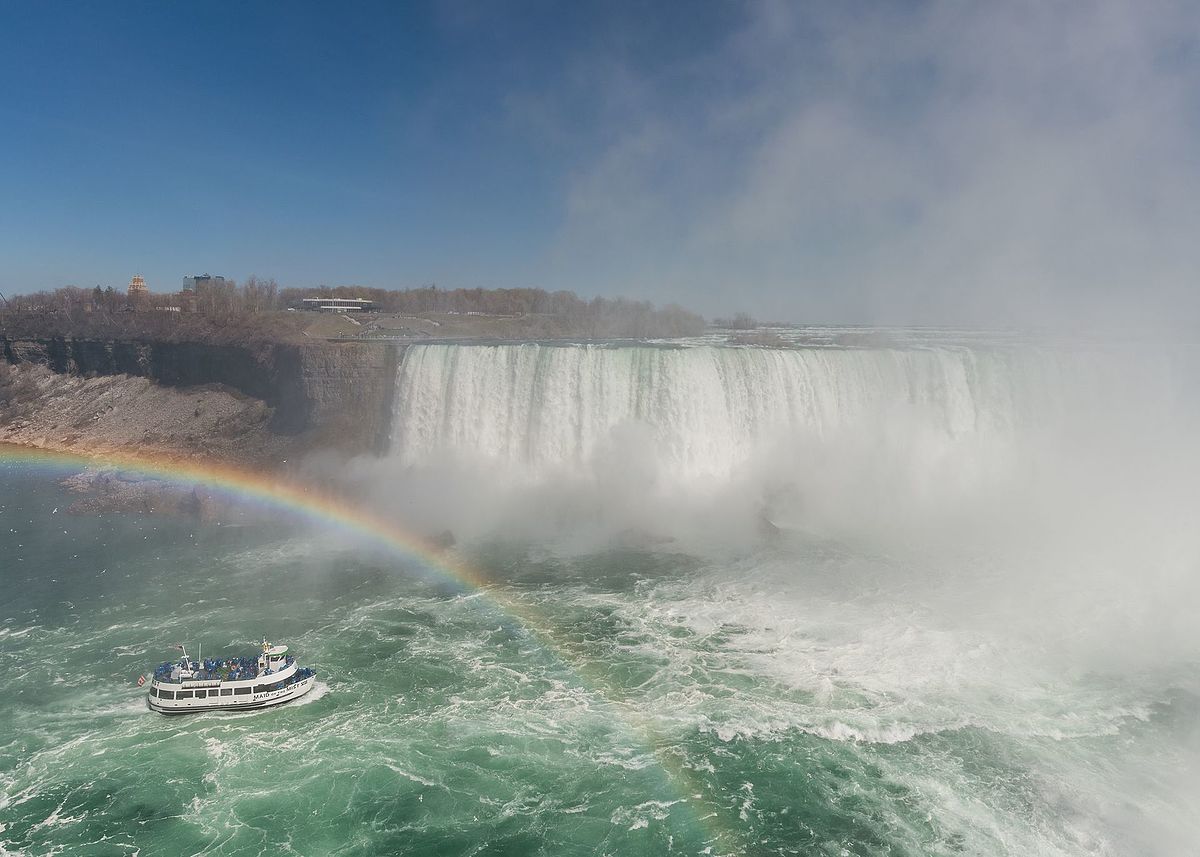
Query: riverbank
[[122, 413], [127, 415], [327, 394]]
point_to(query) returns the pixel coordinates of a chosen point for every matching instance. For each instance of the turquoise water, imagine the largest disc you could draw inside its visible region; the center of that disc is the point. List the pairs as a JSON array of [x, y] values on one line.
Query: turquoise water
[[806, 697]]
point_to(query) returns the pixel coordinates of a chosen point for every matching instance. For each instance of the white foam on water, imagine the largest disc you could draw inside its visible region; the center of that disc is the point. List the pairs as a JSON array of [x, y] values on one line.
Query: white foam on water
[[756, 661], [640, 816], [320, 689], [16, 634], [410, 776]]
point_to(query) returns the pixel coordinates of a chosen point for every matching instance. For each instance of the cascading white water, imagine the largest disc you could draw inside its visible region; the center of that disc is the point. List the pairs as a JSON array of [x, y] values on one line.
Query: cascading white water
[[709, 410], [716, 443]]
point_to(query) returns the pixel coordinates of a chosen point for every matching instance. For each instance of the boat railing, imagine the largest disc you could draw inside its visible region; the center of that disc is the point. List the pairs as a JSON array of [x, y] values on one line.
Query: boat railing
[[228, 669], [217, 669]]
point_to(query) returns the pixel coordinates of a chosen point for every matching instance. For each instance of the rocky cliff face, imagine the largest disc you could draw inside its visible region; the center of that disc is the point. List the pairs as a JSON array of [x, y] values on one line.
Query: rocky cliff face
[[124, 413], [339, 392], [342, 388]]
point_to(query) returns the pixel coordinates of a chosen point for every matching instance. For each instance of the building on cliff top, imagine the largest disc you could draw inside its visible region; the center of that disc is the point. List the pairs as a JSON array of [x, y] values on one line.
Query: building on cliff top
[[338, 304], [200, 282], [137, 287]]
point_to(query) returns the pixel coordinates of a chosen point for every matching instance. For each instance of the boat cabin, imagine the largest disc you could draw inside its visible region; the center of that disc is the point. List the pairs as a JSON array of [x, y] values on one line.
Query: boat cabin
[[273, 659]]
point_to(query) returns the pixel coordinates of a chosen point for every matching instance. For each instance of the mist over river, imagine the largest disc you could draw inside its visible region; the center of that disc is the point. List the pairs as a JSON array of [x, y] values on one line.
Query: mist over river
[[936, 598]]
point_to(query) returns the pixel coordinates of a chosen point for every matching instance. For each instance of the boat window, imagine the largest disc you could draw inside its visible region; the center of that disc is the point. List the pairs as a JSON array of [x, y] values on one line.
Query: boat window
[[153, 691], [184, 694], [200, 694], [242, 690], [227, 691], [166, 694]]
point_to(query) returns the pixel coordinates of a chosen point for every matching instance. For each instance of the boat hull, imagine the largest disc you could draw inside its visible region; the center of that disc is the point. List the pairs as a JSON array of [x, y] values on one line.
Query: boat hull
[[254, 702]]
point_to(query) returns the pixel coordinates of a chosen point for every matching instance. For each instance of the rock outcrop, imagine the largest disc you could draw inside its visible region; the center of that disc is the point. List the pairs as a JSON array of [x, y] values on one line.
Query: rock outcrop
[[125, 413], [336, 393]]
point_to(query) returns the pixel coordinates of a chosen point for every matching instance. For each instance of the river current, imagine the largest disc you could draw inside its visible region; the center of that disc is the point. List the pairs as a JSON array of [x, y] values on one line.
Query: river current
[[905, 602]]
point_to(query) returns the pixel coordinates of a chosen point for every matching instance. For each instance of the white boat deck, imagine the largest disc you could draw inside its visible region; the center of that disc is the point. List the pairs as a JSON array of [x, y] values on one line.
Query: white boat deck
[[239, 683]]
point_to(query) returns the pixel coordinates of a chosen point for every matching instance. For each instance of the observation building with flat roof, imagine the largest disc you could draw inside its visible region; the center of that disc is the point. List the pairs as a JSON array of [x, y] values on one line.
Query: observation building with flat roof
[[338, 304]]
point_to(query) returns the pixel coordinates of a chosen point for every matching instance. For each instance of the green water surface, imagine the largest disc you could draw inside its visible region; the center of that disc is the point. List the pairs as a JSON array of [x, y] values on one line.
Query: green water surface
[[683, 706]]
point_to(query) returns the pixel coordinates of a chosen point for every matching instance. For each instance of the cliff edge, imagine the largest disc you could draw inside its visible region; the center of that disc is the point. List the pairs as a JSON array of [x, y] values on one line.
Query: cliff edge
[[258, 402]]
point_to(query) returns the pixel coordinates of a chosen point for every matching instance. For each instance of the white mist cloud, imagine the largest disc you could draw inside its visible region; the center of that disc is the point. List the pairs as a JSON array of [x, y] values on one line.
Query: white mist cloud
[[1017, 554], [982, 163]]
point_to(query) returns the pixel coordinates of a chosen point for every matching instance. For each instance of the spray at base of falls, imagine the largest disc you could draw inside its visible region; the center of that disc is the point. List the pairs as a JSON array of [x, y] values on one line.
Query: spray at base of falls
[[825, 438]]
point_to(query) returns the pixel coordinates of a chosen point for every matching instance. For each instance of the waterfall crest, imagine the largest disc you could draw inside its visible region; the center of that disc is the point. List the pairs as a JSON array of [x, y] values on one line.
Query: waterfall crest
[[708, 409]]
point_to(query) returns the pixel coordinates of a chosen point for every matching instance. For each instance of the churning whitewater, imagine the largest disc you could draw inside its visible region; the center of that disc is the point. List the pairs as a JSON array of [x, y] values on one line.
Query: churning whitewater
[[918, 600]]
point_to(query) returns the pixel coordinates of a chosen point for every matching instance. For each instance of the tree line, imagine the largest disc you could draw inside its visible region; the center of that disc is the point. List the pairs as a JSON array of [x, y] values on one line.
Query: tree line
[[217, 297], [598, 317], [256, 297]]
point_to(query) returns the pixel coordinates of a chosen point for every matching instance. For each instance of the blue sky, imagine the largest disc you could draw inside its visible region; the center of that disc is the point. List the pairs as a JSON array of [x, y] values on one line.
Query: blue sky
[[835, 162]]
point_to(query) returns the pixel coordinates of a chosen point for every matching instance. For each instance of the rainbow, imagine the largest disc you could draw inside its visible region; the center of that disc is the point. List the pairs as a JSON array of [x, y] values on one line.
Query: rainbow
[[297, 500], [328, 509]]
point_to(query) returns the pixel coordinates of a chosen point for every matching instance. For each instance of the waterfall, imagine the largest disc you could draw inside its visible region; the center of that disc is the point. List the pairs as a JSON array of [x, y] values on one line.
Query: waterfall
[[709, 410]]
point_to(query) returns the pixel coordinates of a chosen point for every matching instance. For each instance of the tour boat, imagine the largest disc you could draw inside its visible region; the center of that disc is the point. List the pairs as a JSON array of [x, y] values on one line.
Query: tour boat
[[227, 684]]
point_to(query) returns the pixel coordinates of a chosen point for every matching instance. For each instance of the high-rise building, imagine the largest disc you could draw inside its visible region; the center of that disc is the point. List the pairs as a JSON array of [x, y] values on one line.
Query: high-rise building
[[137, 286], [200, 282]]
